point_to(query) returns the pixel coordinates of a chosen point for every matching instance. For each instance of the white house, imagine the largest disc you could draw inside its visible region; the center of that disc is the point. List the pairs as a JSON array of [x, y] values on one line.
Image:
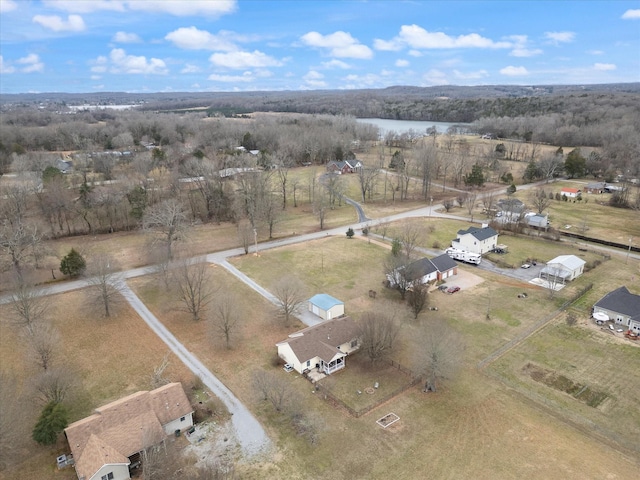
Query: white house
[[105, 444], [424, 270], [563, 268], [325, 306], [621, 306], [571, 192], [323, 346], [476, 239]]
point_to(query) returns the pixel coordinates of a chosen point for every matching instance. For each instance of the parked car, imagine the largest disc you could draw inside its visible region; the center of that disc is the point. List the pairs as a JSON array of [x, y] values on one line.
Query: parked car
[[526, 265], [288, 367], [443, 288], [453, 289], [611, 327]]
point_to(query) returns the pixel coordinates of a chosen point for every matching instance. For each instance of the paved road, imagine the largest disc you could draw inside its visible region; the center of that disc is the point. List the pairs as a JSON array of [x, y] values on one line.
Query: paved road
[[250, 434]]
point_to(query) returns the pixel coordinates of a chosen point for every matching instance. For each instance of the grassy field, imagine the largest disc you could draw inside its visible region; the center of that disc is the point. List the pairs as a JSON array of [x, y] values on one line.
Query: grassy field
[[501, 425]]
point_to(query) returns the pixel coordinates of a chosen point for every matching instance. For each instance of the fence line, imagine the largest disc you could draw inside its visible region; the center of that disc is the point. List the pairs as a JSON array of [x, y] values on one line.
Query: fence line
[[336, 401], [532, 329]]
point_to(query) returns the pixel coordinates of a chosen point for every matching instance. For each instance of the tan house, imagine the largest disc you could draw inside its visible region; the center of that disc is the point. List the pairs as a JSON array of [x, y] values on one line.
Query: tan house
[[323, 347], [106, 444], [620, 306]]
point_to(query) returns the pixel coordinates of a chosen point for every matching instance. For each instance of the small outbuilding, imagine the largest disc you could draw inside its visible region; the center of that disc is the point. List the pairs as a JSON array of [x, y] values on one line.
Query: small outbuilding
[[563, 268], [325, 306]]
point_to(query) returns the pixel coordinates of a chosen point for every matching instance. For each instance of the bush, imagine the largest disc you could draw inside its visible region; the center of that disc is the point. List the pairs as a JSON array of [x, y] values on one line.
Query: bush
[[52, 421], [350, 233], [73, 264]]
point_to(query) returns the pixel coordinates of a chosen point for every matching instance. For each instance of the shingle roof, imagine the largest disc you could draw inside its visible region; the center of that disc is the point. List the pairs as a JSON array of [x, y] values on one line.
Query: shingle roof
[[324, 301], [479, 233], [322, 340], [444, 262], [621, 300], [123, 427]]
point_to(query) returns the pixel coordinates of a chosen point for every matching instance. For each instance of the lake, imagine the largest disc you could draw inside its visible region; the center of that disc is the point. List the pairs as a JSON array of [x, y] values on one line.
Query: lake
[[403, 126]]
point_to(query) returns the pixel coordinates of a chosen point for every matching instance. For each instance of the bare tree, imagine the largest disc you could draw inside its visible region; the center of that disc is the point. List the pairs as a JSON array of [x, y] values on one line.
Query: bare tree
[[395, 271], [378, 333], [157, 377], [367, 177], [54, 384], [28, 306], [105, 283], [417, 298], [167, 221], [245, 233], [226, 314], [320, 205], [18, 242], [43, 341], [470, 203], [488, 202], [288, 291], [438, 353], [272, 388], [539, 199], [195, 288], [411, 235]]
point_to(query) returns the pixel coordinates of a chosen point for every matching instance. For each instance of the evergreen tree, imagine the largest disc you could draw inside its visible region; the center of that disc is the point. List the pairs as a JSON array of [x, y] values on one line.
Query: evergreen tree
[[575, 163], [73, 264], [52, 421], [476, 177]]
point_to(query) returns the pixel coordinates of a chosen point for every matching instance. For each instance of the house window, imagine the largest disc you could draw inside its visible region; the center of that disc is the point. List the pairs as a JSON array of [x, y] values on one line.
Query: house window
[[182, 419], [308, 363], [354, 343], [108, 476]]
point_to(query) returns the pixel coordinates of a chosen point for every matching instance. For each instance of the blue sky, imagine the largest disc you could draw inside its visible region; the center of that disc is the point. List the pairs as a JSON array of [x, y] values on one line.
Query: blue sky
[[245, 45]]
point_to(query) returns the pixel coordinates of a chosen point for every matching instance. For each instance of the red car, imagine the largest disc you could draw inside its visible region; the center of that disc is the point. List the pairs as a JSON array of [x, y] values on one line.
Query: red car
[[453, 289]]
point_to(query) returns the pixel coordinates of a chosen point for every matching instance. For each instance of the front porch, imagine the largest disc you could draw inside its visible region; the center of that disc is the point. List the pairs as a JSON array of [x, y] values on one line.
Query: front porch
[[332, 366]]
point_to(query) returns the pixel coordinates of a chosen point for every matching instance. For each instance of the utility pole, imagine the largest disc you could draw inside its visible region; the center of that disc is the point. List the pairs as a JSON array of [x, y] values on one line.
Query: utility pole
[[628, 251]]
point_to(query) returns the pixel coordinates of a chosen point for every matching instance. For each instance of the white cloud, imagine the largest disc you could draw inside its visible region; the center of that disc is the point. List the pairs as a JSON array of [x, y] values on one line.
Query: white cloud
[[512, 71], [340, 44], [471, 75], [417, 37], [559, 37], [124, 37], [182, 8], [96, 77], [31, 64], [402, 63], [595, 52], [179, 8], [633, 14], [191, 38], [314, 79], [603, 67], [123, 63], [6, 68], [231, 78], [189, 68], [435, 77], [336, 64], [7, 6], [239, 60], [387, 45], [85, 6], [74, 23]]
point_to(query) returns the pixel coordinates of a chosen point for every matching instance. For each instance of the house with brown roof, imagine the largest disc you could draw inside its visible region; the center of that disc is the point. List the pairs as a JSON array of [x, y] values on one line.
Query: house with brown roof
[[324, 346], [105, 444]]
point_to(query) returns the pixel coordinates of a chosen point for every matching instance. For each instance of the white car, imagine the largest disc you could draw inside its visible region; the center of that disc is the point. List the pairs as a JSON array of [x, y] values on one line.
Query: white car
[[287, 367], [526, 265]]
